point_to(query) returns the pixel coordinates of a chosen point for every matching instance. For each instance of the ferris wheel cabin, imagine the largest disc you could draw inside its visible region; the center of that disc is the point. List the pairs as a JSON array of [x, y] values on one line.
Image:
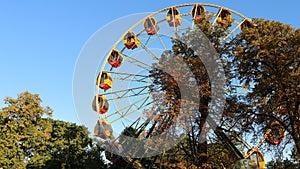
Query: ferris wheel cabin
[[105, 81], [277, 133], [130, 40], [246, 24], [150, 26], [258, 158], [103, 104], [198, 12], [224, 18], [115, 59], [173, 17], [103, 129]]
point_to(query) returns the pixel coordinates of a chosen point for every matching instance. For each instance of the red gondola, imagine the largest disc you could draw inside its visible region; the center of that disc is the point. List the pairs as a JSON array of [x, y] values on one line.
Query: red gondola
[[173, 17], [115, 58], [198, 12], [103, 104], [150, 26], [225, 18], [276, 134], [130, 41], [105, 81]]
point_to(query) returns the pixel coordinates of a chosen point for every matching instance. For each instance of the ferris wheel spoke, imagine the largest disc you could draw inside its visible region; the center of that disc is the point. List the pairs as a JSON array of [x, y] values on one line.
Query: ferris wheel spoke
[[149, 51], [124, 92], [134, 79], [131, 77], [148, 39], [162, 42], [231, 33], [218, 14], [194, 17], [239, 138], [127, 96], [128, 74], [127, 108], [173, 16], [130, 109], [137, 62]]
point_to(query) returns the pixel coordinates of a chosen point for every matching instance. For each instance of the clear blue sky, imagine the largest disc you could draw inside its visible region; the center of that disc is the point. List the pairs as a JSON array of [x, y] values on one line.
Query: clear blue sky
[[41, 40]]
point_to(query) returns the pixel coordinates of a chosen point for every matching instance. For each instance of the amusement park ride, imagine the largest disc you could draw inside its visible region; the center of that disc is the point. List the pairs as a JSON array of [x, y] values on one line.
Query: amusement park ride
[[142, 35]]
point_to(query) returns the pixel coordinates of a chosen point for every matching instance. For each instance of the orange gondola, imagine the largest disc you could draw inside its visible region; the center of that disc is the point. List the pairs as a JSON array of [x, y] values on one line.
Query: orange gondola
[[198, 12], [103, 104], [150, 26], [105, 81], [115, 58], [130, 40], [224, 18], [173, 17]]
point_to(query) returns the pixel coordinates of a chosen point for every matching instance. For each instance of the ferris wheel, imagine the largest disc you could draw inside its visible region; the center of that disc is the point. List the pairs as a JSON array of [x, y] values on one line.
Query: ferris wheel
[[126, 91]]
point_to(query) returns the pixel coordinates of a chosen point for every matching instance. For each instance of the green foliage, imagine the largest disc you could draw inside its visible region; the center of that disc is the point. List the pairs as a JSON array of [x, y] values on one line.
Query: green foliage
[[285, 164], [24, 130], [30, 139]]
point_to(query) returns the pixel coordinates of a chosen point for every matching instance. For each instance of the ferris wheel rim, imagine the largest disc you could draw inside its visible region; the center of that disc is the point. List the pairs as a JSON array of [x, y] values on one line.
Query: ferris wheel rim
[[152, 15], [105, 61]]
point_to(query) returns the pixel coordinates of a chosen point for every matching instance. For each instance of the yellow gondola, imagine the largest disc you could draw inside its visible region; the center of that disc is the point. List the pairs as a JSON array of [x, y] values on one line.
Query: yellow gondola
[[105, 81], [224, 18], [130, 40], [102, 104], [115, 58], [258, 158], [103, 129], [150, 26], [198, 12], [173, 17]]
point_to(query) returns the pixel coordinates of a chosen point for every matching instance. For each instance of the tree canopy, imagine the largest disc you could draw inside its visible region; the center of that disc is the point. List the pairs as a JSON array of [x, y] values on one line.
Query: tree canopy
[[30, 139], [266, 62]]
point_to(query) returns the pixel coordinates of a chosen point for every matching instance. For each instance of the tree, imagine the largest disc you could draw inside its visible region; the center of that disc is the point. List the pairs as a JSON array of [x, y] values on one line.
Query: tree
[[70, 147], [288, 163], [30, 139], [24, 129], [192, 151], [266, 62], [278, 164]]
